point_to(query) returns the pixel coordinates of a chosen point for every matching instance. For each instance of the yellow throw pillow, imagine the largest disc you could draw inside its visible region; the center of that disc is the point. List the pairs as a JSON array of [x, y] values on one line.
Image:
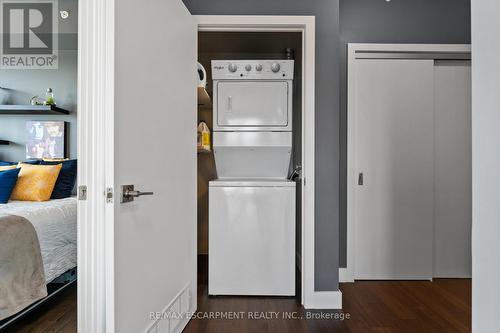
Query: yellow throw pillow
[[35, 182], [7, 167]]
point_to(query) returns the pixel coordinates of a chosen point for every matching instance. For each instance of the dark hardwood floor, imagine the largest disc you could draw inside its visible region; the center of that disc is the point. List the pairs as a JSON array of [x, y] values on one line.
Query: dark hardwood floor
[[57, 315], [443, 305]]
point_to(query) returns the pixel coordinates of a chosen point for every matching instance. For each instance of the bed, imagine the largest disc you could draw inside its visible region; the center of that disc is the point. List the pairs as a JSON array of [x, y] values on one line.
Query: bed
[[55, 225], [54, 222]]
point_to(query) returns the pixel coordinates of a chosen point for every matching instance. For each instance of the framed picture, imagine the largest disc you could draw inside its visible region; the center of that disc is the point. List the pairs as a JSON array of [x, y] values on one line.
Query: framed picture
[[45, 139]]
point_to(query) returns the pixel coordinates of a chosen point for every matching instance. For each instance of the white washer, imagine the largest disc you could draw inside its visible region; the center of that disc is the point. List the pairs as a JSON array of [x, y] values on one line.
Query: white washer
[[252, 204], [251, 237]]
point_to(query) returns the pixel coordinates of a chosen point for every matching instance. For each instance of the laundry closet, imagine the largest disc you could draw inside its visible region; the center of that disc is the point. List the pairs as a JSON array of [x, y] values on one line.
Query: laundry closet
[[249, 176]]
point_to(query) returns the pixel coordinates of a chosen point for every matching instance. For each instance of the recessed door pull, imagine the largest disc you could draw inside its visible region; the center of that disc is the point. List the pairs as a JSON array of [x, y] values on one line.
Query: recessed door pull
[[360, 179]]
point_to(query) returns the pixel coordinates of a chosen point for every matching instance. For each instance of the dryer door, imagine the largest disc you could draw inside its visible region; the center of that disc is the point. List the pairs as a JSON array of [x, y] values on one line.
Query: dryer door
[[247, 104]]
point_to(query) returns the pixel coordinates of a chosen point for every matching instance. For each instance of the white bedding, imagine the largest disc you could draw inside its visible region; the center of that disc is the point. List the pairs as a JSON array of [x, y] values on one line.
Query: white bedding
[[55, 225]]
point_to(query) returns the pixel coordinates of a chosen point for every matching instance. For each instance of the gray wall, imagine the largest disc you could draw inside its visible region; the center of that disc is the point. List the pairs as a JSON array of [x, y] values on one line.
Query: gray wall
[[378, 21], [24, 84], [485, 165], [327, 114]]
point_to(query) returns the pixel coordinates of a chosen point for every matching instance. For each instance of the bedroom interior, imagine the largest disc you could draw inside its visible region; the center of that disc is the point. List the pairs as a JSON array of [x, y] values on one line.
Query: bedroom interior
[[38, 169]]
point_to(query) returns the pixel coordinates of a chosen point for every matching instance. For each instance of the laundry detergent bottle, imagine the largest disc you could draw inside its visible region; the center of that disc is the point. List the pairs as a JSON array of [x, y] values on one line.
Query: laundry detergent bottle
[[203, 136]]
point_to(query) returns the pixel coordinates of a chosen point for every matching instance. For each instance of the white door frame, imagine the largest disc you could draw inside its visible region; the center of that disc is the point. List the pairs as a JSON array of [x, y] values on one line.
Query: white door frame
[[305, 25], [353, 51], [95, 121], [96, 151]]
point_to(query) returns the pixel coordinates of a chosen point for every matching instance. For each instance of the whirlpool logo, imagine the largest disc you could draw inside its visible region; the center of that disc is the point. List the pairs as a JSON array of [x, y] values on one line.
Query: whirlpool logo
[[28, 34]]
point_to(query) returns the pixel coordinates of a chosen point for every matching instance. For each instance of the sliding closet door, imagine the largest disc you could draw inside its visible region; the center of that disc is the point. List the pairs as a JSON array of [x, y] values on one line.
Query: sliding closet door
[[453, 212], [394, 138]]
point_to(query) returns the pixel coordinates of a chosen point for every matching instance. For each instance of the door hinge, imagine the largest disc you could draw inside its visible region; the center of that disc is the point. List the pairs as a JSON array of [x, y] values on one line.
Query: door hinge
[[109, 194], [82, 192]]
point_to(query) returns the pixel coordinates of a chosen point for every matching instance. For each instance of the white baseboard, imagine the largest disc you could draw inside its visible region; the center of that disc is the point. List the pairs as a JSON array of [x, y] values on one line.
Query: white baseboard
[[180, 306], [182, 325], [345, 275], [324, 300]]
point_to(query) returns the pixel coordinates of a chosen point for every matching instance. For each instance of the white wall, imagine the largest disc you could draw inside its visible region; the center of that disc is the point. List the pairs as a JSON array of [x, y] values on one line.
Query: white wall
[[486, 166]]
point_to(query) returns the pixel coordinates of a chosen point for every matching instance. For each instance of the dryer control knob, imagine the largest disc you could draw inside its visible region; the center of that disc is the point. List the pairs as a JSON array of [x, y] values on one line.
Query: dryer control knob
[[275, 67], [258, 67], [232, 68], [248, 68]]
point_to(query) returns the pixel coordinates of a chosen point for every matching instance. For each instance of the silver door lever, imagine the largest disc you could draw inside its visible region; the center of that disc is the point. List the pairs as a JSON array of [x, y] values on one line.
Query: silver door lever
[[129, 193], [136, 193]]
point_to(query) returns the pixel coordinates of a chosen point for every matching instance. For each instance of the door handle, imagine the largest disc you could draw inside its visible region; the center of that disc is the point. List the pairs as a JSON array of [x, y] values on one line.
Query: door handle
[[129, 193], [230, 103], [361, 180]]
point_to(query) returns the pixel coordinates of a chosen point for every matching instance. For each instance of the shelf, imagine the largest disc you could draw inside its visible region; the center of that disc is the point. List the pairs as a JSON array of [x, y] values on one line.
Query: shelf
[[4, 142], [32, 109], [203, 97]]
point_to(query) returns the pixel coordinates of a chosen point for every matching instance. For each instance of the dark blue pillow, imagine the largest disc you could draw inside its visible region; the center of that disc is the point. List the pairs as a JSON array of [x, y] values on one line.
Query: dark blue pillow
[[66, 179], [3, 163], [8, 179]]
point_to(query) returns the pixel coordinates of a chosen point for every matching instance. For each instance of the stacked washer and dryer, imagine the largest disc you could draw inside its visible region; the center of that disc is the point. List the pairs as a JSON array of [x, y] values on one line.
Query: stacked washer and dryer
[[252, 203]]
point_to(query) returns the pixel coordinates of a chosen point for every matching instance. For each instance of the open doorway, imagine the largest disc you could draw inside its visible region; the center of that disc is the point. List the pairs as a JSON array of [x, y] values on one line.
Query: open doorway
[[38, 167], [260, 50]]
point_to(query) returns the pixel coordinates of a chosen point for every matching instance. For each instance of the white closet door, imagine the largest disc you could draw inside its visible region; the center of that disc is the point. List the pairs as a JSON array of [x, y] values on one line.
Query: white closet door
[[394, 151], [453, 212]]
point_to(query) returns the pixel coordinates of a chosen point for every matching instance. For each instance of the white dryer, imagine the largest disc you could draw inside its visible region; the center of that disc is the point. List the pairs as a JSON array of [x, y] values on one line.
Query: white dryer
[[252, 203]]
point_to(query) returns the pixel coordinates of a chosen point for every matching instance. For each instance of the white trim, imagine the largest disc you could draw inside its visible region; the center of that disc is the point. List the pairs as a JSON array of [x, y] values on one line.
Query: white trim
[[347, 274], [95, 147], [325, 300], [306, 25], [183, 311], [255, 23], [388, 48], [109, 168]]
